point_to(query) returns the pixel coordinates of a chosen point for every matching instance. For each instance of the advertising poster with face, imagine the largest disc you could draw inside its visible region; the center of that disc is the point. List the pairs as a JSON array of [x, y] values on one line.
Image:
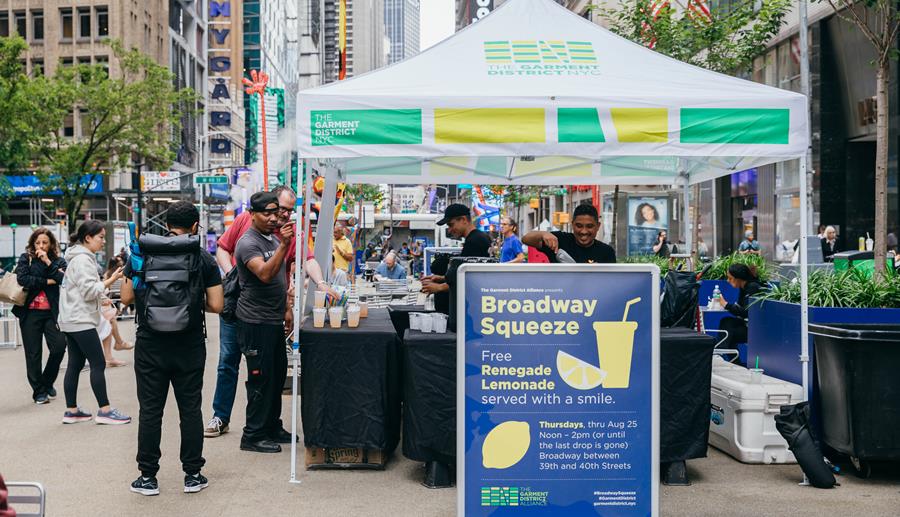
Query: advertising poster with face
[[647, 217]]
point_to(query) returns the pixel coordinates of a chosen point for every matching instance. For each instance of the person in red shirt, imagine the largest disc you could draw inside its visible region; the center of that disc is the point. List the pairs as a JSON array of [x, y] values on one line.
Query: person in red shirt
[[229, 351]]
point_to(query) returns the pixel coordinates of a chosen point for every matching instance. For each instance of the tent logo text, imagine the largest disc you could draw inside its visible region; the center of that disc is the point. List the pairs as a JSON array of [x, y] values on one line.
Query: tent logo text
[[540, 57]]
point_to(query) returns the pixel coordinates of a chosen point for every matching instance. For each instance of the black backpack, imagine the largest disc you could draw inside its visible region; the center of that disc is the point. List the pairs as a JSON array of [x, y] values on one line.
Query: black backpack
[[174, 296], [231, 287]]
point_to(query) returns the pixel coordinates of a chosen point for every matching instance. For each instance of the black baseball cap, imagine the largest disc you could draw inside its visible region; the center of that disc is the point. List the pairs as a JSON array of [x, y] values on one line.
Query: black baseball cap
[[260, 202], [454, 210]]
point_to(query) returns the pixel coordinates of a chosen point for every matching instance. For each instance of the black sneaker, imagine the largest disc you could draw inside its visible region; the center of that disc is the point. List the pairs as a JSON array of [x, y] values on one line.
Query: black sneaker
[[283, 436], [42, 399], [265, 446], [145, 486], [51, 392], [194, 483]]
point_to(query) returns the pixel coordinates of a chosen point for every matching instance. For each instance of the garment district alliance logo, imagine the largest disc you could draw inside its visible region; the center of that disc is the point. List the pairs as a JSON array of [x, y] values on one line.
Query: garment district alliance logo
[[512, 496], [540, 57]]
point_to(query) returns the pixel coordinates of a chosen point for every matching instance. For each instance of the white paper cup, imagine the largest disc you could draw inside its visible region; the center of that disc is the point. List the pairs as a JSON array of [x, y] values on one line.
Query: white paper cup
[[334, 316], [440, 322], [426, 322], [353, 314], [320, 299], [414, 321], [319, 317]]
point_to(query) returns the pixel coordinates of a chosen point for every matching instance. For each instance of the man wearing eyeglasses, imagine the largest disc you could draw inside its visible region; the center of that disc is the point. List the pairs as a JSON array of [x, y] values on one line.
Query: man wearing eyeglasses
[[229, 352]]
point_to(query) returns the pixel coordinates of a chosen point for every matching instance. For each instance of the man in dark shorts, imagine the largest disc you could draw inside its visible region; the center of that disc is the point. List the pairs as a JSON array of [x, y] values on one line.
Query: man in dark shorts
[[260, 313], [582, 244], [176, 358]]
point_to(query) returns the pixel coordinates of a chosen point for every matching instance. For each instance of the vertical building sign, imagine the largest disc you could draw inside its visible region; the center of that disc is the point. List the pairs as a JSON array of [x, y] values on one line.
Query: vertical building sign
[[478, 9], [220, 67]]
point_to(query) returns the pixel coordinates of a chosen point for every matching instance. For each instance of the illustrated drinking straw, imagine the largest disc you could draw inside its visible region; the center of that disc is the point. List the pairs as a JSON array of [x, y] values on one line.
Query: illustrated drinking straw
[[757, 362], [628, 306]]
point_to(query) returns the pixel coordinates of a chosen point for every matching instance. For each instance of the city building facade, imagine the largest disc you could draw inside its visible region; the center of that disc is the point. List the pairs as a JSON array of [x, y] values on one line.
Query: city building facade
[[401, 22]]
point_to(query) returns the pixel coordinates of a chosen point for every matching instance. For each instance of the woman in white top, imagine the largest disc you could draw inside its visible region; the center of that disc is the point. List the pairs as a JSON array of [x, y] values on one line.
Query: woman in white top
[[82, 294]]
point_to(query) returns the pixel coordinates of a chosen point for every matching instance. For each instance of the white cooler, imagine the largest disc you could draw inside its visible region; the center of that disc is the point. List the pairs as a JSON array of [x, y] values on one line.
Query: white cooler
[[742, 413]]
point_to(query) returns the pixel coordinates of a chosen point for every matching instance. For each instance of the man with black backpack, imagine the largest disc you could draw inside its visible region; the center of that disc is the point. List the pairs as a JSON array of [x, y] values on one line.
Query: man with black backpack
[[177, 282]]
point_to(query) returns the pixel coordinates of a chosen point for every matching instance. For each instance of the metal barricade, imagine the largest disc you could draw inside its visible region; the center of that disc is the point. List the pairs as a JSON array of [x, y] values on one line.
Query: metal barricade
[[32, 495], [9, 327]]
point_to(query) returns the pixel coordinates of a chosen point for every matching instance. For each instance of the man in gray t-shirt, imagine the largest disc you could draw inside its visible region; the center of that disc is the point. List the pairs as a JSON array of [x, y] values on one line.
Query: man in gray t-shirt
[[260, 329]]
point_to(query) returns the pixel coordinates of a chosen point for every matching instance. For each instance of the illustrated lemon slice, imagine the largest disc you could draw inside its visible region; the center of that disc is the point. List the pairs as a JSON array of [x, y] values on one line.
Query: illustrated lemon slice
[[505, 445], [577, 373]]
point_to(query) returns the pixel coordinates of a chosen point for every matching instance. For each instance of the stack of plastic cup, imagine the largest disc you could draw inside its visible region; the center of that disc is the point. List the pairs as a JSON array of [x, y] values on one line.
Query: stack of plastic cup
[[334, 316], [353, 314], [320, 299], [319, 317], [440, 322], [426, 322], [414, 321]]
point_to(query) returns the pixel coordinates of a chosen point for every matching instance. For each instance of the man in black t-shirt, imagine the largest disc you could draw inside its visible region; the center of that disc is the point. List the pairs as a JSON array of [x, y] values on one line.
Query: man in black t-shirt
[[161, 359], [458, 219], [582, 244]]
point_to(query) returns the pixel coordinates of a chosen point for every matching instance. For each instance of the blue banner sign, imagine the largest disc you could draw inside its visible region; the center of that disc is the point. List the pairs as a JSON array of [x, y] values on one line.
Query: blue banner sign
[[32, 186], [558, 382]]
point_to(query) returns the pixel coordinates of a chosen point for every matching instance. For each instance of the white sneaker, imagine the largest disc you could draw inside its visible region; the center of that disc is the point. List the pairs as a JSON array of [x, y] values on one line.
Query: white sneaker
[[215, 428]]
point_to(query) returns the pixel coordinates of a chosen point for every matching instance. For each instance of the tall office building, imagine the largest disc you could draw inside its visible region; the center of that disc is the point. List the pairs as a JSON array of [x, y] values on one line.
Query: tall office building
[[470, 11], [367, 43], [401, 22]]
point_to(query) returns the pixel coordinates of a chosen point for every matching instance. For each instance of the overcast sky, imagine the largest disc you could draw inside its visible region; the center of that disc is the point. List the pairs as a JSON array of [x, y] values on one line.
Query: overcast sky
[[436, 21]]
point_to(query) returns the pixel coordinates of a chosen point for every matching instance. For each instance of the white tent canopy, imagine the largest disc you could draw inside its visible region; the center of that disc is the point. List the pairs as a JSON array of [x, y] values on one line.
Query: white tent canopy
[[536, 94]]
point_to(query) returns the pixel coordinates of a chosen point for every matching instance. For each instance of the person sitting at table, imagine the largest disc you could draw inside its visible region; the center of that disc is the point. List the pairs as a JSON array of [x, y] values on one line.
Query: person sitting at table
[[389, 269], [743, 278], [829, 244]]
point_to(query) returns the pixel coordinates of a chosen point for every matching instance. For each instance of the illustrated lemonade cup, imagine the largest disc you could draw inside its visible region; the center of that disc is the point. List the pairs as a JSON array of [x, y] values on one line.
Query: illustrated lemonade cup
[[615, 344]]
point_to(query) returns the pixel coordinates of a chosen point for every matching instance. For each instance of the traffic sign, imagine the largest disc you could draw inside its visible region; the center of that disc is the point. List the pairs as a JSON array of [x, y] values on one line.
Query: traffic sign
[[216, 179]]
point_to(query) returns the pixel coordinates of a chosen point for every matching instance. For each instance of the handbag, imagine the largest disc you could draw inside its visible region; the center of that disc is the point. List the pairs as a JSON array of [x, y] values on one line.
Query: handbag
[[11, 291]]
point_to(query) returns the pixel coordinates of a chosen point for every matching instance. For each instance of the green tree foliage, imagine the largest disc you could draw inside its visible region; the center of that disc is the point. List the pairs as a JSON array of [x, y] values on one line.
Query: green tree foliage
[[725, 42], [131, 115]]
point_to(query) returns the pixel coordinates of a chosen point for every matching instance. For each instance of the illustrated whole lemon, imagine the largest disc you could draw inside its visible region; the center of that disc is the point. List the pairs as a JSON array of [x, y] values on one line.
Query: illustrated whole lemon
[[506, 445]]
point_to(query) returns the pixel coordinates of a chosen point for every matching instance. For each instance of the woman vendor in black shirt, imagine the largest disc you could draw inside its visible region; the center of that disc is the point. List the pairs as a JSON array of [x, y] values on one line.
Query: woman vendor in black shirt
[[744, 278]]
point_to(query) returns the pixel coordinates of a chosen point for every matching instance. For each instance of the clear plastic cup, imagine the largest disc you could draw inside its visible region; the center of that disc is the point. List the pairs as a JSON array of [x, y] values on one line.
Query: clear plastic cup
[[440, 322], [334, 316], [426, 322], [363, 309], [756, 375], [319, 317], [320, 299], [353, 314], [414, 321]]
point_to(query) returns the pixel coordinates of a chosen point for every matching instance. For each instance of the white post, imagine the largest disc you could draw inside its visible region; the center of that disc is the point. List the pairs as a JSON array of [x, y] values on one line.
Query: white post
[[688, 234], [804, 280], [299, 302]]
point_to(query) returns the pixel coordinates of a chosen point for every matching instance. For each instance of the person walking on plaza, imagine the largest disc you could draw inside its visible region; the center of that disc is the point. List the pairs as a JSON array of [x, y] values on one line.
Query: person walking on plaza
[[82, 294], [40, 271], [171, 342], [581, 244], [229, 352], [511, 251], [261, 314], [342, 248]]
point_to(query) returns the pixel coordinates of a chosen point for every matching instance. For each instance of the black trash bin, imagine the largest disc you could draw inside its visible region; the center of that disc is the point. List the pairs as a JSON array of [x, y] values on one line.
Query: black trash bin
[[859, 388]]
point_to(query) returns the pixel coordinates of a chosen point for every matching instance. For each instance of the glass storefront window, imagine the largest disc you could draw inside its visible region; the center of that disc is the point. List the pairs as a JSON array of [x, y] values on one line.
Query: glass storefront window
[[787, 225]]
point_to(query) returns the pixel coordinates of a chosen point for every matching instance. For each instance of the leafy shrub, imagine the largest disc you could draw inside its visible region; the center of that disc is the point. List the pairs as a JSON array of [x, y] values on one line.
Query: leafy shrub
[[720, 266], [850, 289]]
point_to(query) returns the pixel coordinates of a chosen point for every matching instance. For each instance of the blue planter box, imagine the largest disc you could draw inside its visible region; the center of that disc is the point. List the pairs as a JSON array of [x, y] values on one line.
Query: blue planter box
[[774, 335]]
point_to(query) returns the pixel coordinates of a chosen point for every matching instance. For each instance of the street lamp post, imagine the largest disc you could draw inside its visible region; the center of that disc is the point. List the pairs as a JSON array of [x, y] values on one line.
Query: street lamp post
[[258, 85], [13, 226]]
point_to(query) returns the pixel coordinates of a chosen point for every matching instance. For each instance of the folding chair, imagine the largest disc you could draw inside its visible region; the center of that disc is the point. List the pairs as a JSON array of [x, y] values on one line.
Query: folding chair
[[27, 494]]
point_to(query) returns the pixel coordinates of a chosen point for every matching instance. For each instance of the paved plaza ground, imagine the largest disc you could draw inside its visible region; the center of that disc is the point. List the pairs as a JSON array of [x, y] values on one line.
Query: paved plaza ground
[[87, 468]]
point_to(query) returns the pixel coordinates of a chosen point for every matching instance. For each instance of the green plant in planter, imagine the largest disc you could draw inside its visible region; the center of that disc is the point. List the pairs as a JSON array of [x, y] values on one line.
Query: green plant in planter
[[849, 289], [720, 266], [662, 263]]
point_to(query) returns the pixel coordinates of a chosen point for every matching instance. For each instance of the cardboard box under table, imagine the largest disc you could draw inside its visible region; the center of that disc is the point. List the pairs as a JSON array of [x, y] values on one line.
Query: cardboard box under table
[[350, 392]]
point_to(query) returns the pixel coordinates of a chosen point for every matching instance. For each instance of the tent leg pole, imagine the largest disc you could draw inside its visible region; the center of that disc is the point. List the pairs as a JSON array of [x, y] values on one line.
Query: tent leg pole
[[804, 280], [300, 259]]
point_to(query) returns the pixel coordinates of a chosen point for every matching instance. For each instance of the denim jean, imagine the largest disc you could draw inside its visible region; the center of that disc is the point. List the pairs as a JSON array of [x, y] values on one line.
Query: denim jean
[[229, 365]]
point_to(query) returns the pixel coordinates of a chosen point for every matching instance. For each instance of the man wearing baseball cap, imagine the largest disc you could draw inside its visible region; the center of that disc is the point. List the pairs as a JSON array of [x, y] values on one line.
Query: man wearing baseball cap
[[260, 314], [458, 219]]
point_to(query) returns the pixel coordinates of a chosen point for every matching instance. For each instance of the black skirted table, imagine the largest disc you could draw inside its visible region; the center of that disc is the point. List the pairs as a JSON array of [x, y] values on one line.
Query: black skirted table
[[685, 375], [429, 392], [429, 403], [350, 384]]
